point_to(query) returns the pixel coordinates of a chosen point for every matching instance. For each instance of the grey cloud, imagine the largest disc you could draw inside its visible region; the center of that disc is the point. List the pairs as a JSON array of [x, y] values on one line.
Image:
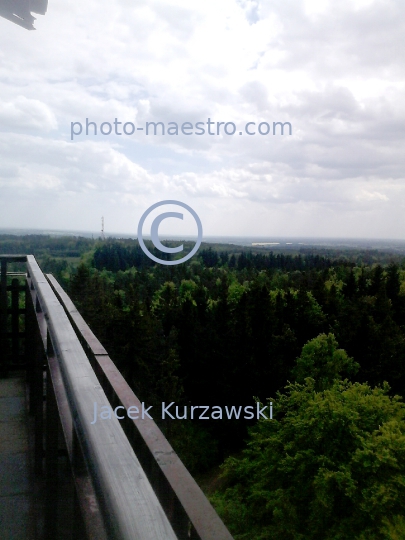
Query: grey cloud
[[343, 39], [256, 93], [251, 9]]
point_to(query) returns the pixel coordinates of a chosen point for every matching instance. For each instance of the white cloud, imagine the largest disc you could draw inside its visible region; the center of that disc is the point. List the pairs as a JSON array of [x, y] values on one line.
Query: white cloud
[[335, 70], [26, 114]]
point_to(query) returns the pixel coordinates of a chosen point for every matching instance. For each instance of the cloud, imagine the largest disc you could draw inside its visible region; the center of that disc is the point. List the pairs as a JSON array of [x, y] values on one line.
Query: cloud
[[26, 114], [334, 70]]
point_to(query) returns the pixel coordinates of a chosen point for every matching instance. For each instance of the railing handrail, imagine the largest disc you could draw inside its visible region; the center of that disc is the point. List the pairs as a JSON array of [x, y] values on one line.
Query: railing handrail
[[174, 485], [13, 257], [133, 484], [131, 508]]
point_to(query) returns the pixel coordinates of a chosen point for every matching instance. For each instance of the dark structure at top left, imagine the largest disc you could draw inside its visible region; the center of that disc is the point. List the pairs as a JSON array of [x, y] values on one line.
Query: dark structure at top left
[[20, 11]]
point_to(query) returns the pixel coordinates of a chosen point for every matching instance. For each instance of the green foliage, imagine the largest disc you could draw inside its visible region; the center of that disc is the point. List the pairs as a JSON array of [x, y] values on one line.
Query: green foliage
[[322, 360], [233, 323], [195, 445], [43, 245], [330, 466], [393, 529], [235, 292], [220, 329]]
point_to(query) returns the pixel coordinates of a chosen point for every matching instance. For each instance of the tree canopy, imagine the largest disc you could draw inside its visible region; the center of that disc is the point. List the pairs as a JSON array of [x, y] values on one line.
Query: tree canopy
[[329, 466], [322, 360]]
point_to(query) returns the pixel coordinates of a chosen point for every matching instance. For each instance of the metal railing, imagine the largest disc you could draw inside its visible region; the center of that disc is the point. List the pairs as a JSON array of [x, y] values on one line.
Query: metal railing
[[129, 482], [11, 336]]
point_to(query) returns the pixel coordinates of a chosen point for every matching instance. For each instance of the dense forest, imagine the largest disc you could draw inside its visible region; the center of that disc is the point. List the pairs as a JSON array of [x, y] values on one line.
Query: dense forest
[[321, 337]]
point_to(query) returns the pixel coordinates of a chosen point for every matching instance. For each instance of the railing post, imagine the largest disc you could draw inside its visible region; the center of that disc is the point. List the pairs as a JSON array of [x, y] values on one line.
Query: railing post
[[35, 365], [30, 338], [15, 321], [3, 320], [38, 377], [79, 468], [51, 461]]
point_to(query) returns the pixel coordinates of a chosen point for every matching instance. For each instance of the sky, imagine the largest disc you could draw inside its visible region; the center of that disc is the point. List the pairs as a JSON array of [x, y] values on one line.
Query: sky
[[333, 70]]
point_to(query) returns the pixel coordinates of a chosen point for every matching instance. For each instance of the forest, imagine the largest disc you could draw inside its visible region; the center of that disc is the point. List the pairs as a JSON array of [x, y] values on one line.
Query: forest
[[321, 336]]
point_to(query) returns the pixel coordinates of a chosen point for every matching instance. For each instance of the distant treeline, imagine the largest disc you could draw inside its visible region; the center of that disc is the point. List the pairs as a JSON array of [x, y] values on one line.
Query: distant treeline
[[113, 256], [39, 245]]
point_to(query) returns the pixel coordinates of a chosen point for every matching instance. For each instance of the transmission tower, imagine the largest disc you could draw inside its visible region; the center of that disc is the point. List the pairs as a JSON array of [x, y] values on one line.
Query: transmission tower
[[102, 228]]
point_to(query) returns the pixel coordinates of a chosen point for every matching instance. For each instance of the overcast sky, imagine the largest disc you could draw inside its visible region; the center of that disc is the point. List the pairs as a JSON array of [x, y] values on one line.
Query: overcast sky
[[334, 70]]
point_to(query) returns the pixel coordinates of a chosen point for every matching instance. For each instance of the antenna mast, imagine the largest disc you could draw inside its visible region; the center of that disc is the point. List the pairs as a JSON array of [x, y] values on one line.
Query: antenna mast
[[102, 228]]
